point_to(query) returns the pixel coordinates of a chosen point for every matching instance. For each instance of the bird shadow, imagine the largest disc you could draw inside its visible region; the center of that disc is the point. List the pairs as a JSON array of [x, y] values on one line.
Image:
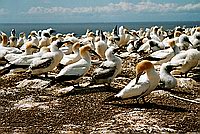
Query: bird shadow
[[88, 90], [150, 105]]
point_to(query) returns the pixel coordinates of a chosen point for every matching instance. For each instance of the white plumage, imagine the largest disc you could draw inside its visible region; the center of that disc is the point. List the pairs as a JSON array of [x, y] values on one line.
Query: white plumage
[[142, 85], [109, 69]]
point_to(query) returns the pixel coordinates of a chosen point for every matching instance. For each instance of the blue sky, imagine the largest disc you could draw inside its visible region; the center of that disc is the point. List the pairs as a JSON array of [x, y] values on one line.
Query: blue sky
[[67, 11]]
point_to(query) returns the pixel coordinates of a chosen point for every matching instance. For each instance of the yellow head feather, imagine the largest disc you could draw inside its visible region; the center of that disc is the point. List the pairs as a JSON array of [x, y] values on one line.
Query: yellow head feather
[[142, 66]]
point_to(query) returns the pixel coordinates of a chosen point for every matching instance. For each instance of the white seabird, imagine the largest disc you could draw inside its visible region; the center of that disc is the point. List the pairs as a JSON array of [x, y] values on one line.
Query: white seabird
[[163, 56], [22, 63], [167, 80], [48, 61], [45, 40], [143, 84], [78, 69], [72, 58], [30, 48], [101, 46], [109, 69], [186, 60]]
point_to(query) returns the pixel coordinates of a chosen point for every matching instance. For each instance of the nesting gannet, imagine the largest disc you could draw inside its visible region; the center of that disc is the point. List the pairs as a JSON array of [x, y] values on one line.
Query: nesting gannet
[[22, 63], [152, 45], [167, 80], [71, 58], [143, 84], [186, 60], [163, 56], [78, 69], [30, 48], [109, 69], [48, 61], [101, 46]]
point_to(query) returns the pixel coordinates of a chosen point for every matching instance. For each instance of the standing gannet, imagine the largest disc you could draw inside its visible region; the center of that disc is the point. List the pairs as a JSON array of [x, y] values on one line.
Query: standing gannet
[[115, 36], [33, 37], [143, 84], [71, 58], [21, 40], [78, 69], [4, 39], [101, 46], [167, 80], [186, 60], [45, 39], [163, 56], [109, 69], [48, 61]]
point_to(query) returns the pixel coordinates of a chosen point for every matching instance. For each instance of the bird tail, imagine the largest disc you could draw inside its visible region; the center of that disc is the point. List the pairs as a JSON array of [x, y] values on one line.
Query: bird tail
[[6, 69]]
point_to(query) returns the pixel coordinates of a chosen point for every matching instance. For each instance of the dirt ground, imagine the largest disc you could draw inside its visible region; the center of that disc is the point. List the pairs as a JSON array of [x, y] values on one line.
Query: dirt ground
[[83, 110]]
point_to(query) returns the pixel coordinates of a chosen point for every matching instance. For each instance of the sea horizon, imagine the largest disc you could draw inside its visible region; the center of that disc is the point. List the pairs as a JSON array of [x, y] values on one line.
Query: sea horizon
[[80, 28]]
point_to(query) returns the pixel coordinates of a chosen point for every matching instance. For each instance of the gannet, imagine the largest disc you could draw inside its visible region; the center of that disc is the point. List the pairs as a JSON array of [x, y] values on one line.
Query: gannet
[[22, 63], [45, 41], [186, 60], [21, 40], [143, 84], [4, 39], [30, 48], [184, 42], [48, 61], [67, 47], [115, 36], [33, 37], [153, 34], [109, 69], [167, 80], [72, 58], [163, 56], [12, 41], [78, 69], [101, 46], [152, 45]]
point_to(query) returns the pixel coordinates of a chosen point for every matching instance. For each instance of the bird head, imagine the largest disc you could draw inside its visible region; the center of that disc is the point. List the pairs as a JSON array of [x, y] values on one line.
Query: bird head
[[142, 67], [76, 46]]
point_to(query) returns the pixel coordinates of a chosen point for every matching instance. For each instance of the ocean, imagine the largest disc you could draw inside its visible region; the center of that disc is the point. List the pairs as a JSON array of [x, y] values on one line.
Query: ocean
[[80, 28]]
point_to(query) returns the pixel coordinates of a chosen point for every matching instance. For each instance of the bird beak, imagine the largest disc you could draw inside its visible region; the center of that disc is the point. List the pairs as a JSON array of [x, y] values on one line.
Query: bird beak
[[138, 77], [190, 43], [93, 52]]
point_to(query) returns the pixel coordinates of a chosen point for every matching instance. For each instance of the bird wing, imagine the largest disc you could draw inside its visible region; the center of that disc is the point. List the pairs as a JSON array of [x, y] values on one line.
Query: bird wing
[[79, 68], [41, 63], [161, 54], [134, 90], [105, 70]]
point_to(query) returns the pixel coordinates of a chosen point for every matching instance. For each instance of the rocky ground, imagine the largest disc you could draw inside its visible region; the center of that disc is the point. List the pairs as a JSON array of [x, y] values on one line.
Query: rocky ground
[[40, 108]]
